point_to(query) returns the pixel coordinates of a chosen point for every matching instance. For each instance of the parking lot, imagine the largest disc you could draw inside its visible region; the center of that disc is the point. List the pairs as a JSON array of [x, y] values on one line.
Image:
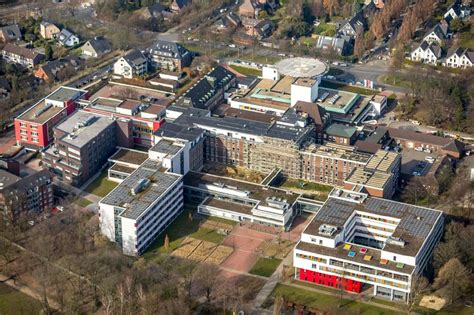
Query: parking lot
[[415, 163]]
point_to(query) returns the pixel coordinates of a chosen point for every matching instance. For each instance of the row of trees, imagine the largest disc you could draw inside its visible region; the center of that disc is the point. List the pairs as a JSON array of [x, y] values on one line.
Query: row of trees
[[75, 270]]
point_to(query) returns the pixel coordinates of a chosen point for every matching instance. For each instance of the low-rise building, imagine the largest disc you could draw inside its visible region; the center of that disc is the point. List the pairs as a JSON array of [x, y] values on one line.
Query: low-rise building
[[10, 33], [178, 5], [340, 134], [48, 30], [34, 127], [459, 58], [134, 64], [96, 47], [353, 26], [239, 200], [427, 53], [356, 242], [21, 55], [334, 44], [58, 70], [67, 38]]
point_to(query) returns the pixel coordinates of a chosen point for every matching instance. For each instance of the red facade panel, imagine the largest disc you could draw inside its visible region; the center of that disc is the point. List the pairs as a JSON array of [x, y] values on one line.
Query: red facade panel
[[329, 280]]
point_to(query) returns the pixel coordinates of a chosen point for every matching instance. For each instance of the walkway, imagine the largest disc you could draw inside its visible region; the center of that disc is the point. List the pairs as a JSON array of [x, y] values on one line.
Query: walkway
[[76, 191]]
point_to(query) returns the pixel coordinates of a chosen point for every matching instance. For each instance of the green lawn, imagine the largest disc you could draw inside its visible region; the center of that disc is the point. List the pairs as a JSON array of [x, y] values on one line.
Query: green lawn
[[101, 186], [82, 202], [247, 71], [14, 302], [327, 303], [265, 266], [304, 185], [177, 232], [347, 88], [325, 29]]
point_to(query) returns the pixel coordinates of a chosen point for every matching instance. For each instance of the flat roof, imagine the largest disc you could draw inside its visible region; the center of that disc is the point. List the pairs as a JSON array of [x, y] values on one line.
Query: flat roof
[[382, 160], [414, 227], [129, 156], [332, 150], [227, 205], [122, 169], [64, 93], [283, 85], [336, 101], [256, 191], [40, 112], [80, 136], [135, 205], [166, 147], [301, 67], [374, 179]]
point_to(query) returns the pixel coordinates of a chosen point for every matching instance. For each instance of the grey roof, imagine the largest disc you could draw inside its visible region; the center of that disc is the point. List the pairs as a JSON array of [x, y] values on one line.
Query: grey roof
[[135, 57], [182, 3], [325, 42], [64, 35], [166, 147], [169, 49], [435, 49], [414, 226], [80, 136], [199, 94], [11, 32], [24, 184], [458, 51], [51, 68], [100, 45], [135, 205], [441, 30], [6, 179]]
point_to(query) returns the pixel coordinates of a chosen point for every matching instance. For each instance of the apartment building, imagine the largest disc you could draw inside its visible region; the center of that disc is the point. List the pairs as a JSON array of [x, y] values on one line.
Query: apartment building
[[146, 118], [371, 243], [134, 64], [138, 210], [21, 55], [170, 56], [30, 195], [240, 201], [34, 127], [83, 144]]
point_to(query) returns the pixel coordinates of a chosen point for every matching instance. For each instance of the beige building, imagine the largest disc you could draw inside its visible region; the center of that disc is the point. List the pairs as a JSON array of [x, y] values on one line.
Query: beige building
[[48, 30]]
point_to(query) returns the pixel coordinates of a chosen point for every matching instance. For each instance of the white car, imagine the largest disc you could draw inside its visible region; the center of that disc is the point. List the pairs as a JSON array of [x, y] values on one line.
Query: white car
[[232, 46]]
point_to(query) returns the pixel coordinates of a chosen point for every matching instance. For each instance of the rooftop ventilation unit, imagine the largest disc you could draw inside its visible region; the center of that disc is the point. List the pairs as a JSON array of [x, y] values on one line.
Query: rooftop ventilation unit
[[140, 186], [327, 230], [396, 241], [277, 203], [42, 110]]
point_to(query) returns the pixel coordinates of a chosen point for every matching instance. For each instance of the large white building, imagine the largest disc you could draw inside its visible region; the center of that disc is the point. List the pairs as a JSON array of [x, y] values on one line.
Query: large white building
[[361, 243]]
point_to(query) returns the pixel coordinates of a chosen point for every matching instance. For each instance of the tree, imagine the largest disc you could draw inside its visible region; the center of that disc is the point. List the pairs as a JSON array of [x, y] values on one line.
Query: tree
[[359, 45], [455, 278], [456, 25], [419, 285], [73, 5], [331, 6], [207, 279], [48, 52]]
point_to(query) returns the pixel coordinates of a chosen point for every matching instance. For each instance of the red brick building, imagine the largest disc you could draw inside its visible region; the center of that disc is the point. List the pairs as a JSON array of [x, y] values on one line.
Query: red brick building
[[34, 127]]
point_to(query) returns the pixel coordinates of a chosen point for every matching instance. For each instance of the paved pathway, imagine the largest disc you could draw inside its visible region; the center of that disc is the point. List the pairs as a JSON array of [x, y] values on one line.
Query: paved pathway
[[78, 192]]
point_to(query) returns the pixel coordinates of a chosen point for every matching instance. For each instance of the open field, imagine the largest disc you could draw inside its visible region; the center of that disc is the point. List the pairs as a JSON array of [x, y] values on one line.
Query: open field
[[101, 186], [82, 202], [14, 302], [265, 266], [246, 71]]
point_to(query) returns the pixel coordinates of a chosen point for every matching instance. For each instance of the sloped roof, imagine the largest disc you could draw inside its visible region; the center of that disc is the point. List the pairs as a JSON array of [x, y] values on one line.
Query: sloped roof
[[314, 111], [135, 57], [21, 51], [182, 3], [169, 49], [11, 32], [100, 45]]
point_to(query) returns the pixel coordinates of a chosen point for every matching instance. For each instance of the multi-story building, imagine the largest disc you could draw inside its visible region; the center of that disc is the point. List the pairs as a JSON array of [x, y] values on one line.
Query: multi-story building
[[427, 53], [30, 195], [83, 144], [170, 56], [133, 64], [138, 210], [21, 55], [370, 243], [34, 127], [458, 57], [146, 118], [208, 92]]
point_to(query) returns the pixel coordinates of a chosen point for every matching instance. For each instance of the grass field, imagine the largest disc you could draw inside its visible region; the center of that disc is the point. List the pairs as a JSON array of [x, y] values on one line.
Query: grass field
[[82, 202], [14, 302], [247, 71], [304, 185], [347, 88], [327, 303], [177, 232], [265, 266], [101, 186]]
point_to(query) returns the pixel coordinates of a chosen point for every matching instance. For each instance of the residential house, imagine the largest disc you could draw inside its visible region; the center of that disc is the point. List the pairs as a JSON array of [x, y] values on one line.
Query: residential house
[[459, 58], [438, 34], [426, 53], [29, 195], [48, 30], [170, 56], [96, 47], [10, 33], [350, 28], [257, 28], [67, 38], [251, 8], [178, 5], [21, 55], [153, 11], [457, 11], [55, 70], [338, 45], [133, 64]]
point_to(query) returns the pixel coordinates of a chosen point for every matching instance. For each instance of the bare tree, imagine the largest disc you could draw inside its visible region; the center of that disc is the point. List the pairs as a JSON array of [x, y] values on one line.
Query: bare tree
[[455, 278]]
